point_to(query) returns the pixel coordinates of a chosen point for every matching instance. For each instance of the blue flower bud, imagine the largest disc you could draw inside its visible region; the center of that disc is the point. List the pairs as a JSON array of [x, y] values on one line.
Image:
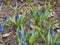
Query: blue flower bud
[[5, 18], [15, 4], [35, 3], [1, 28], [23, 43], [31, 11], [17, 16], [51, 31], [42, 24], [55, 43], [40, 11], [30, 23], [25, 31], [30, 34], [19, 34]]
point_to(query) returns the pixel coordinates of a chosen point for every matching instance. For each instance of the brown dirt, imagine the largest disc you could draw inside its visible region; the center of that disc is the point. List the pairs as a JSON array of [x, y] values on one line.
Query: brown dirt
[[11, 39]]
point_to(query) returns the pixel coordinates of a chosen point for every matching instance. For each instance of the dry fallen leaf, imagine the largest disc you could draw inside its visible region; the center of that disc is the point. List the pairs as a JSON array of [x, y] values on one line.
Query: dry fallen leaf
[[7, 34]]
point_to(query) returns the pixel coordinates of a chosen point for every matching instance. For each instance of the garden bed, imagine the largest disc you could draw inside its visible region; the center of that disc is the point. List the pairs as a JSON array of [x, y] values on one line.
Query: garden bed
[[8, 36]]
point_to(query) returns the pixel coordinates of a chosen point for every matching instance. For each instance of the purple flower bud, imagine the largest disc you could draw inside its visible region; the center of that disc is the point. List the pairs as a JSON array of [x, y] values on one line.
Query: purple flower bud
[[42, 24], [55, 43], [51, 31], [30, 23], [23, 43], [1, 28], [5, 18], [17, 16], [19, 34]]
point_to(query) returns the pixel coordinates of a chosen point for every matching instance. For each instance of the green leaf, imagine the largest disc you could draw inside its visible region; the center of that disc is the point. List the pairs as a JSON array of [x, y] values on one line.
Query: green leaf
[[27, 37], [58, 41], [13, 21], [40, 34], [8, 3], [32, 39], [22, 17], [17, 39], [0, 6], [6, 24], [29, 1], [1, 44], [14, 9], [48, 38], [55, 38], [58, 1]]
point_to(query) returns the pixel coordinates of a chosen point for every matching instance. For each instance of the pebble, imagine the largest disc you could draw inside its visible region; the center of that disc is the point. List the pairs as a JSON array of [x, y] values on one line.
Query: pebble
[[58, 30], [1, 16]]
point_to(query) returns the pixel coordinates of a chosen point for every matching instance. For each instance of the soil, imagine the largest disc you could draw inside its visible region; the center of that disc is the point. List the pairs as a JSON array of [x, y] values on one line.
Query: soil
[[11, 38]]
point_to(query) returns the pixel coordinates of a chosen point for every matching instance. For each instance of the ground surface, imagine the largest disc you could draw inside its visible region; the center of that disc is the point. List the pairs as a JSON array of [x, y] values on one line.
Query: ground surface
[[11, 31]]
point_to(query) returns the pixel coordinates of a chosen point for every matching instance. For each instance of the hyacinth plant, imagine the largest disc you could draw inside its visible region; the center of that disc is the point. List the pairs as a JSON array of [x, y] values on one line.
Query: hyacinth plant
[[51, 39], [21, 32], [17, 20], [14, 8], [5, 21], [2, 24], [29, 37]]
